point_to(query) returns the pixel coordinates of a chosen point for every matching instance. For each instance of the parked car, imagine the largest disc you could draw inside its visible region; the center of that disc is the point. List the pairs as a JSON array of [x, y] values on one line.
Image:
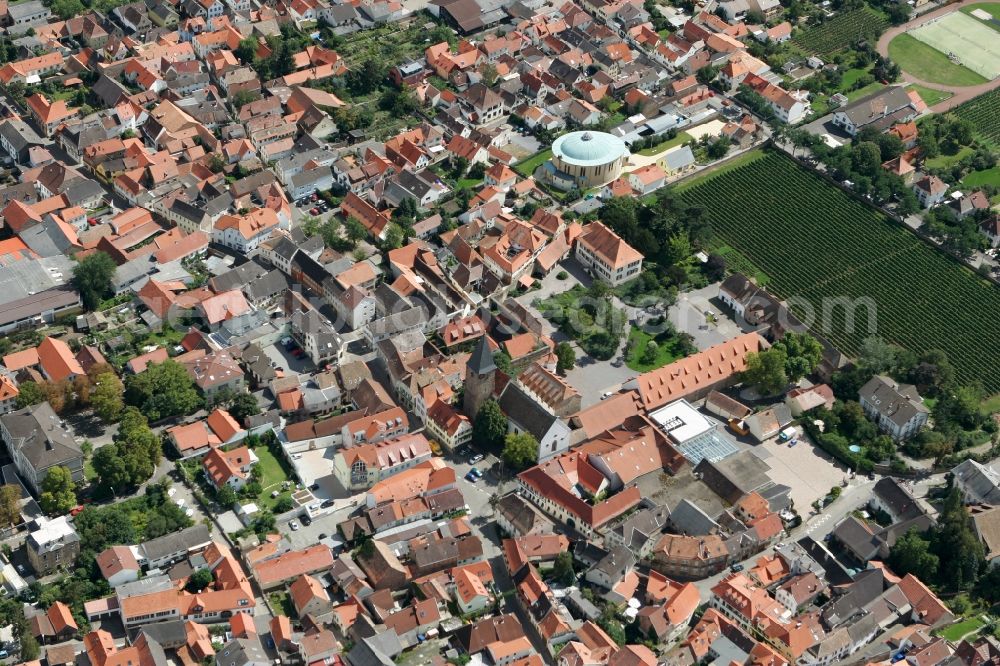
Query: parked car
[[306, 520], [475, 471], [475, 458], [327, 503], [736, 568], [314, 211], [293, 525], [471, 478]]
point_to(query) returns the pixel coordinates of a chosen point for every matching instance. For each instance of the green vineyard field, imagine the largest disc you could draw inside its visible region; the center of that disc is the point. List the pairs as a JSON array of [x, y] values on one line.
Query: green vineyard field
[[841, 32], [983, 112], [816, 243]]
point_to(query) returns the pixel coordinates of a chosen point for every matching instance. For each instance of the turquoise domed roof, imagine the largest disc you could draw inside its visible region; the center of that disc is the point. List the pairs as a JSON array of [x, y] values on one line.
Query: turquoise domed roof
[[588, 148]]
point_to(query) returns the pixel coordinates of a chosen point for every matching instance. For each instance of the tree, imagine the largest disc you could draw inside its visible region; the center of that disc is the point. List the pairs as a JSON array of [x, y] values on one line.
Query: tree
[[650, 353], [226, 496], [715, 267], [243, 406], [566, 357], [394, 236], [766, 370], [30, 393], [107, 397], [92, 278], [804, 353], [10, 504], [58, 491], [162, 390], [132, 458], [866, 158], [955, 543], [489, 73], [30, 650], [612, 626], [562, 568], [718, 148], [490, 426], [502, 360], [199, 580], [243, 97], [706, 74], [407, 210], [356, 231], [494, 502], [877, 355], [111, 468], [911, 554], [216, 163], [520, 450], [928, 144], [247, 50]]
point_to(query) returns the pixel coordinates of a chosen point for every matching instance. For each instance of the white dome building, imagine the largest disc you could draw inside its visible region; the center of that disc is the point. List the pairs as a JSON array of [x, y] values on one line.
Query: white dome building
[[585, 159]]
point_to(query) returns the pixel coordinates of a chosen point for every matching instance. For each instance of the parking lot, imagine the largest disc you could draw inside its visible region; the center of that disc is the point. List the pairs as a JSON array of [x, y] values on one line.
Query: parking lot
[[284, 359], [805, 468]]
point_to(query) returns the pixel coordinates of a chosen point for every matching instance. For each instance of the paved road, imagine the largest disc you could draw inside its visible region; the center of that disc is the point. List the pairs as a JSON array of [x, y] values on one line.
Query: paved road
[[960, 94]]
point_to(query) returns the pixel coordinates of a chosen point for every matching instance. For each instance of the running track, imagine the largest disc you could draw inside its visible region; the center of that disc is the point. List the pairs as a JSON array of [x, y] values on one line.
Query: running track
[[960, 94]]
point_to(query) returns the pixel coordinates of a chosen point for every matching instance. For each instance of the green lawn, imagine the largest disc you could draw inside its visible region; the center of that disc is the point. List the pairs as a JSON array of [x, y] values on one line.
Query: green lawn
[[988, 7], [682, 137], [468, 183], [991, 405], [527, 166], [956, 631], [929, 95], [638, 340], [943, 161], [929, 64], [273, 475], [282, 604], [874, 86], [984, 177], [851, 76]]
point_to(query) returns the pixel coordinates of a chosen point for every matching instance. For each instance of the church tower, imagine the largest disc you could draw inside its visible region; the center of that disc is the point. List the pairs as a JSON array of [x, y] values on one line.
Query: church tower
[[480, 374]]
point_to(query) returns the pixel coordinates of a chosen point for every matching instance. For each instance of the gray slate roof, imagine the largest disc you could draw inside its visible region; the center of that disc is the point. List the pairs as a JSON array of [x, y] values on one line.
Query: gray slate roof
[[40, 436]]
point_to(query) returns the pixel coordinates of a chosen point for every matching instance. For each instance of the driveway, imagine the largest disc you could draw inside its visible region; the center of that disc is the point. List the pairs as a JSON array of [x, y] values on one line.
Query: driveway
[[960, 94]]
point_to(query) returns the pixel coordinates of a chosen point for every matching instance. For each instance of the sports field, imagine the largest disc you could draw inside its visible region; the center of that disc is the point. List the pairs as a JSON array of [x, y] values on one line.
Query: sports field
[[965, 40]]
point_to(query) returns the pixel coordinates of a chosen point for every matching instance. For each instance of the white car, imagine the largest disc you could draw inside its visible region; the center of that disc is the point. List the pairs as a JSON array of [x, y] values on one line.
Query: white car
[[179, 502], [296, 456], [294, 525], [189, 513], [606, 395]]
